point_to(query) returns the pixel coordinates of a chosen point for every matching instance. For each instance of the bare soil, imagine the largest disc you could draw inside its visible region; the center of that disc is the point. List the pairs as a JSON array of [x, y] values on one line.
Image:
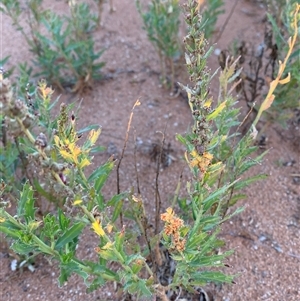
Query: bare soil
[[265, 237]]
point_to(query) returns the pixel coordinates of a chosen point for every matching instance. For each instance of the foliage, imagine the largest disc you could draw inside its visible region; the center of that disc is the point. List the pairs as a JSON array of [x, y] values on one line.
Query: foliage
[[66, 55], [161, 21], [211, 11], [217, 154], [260, 64], [281, 18]]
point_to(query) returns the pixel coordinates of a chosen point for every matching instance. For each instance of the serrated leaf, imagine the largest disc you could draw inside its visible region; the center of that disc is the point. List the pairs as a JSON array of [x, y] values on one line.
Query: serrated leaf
[[97, 282], [21, 248], [63, 220], [29, 210], [116, 198]]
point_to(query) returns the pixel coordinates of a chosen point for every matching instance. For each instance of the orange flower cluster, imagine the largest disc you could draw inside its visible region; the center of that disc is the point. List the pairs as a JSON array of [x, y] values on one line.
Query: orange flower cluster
[[202, 162], [172, 228]]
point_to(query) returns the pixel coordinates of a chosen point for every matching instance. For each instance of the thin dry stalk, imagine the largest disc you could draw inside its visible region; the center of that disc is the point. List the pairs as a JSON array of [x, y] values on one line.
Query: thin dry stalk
[[137, 103], [157, 195], [135, 165]]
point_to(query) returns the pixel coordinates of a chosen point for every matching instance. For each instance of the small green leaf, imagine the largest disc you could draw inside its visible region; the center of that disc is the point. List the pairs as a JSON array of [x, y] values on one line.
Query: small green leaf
[[21, 248], [205, 277], [243, 183], [89, 128], [104, 171], [26, 195], [117, 210], [142, 287], [236, 198], [97, 149], [216, 196], [217, 111], [63, 220], [96, 284], [116, 198]]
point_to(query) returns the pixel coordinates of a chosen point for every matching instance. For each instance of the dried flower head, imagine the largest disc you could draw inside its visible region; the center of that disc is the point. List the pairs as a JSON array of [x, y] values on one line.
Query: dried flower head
[[172, 228]]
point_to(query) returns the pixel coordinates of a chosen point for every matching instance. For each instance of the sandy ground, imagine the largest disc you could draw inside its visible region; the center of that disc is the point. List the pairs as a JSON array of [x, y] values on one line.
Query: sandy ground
[[265, 237]]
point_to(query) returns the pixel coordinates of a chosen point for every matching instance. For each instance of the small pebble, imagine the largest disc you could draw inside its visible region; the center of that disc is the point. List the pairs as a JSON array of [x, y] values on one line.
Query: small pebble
[[217, 51], [262, 238]]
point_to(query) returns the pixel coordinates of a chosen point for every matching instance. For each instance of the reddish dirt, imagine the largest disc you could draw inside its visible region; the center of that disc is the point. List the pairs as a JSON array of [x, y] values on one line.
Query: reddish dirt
[[265, 237]]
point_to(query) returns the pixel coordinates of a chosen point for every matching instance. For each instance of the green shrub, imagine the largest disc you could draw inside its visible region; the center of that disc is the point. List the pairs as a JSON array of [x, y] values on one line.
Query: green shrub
[[161, 21], [280, 16], [65, 55], [177, 256]]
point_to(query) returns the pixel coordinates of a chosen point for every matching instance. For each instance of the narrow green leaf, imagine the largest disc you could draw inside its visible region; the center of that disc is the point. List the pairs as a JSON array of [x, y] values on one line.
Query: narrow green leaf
[[63, 220], [97, 149], [205, 277], [215, 196], [142, 287], [89, 128], [117, 210], [236, 198], [103, 174], [26, 194], [29, 210], [101, 170], [69, 235], [117, 198], [248, 181], [10, 232]]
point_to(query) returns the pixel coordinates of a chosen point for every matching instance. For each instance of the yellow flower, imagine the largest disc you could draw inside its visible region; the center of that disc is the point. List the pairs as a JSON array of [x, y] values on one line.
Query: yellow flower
[[2, 219], [85, 162], [207, 103], [97, 227], [77, 202], [108, 246], [69, 150], [93, 136]]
